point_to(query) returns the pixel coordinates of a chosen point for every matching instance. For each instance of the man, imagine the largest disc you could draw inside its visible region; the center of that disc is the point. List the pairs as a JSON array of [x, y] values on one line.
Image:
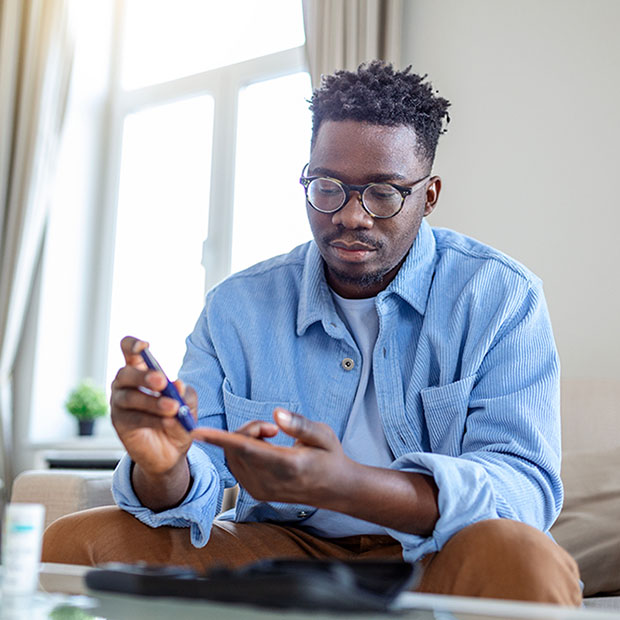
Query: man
[[387, 390]]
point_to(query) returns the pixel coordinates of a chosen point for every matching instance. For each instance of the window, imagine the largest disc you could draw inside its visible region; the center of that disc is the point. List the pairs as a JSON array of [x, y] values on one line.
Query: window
[[224, 66], [265, 222], [206, 102], [162, 220]]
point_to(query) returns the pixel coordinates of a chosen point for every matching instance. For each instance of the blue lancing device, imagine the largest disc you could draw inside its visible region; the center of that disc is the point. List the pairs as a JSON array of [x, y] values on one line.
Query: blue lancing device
[[184, 415]]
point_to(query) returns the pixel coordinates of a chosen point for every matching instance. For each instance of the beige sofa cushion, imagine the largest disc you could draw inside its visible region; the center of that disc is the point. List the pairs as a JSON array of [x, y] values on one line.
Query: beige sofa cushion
[[589, 525], [63, 491]]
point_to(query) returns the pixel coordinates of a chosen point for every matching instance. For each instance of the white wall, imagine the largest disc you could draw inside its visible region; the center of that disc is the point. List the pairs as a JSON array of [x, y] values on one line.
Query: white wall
[[530, 162]]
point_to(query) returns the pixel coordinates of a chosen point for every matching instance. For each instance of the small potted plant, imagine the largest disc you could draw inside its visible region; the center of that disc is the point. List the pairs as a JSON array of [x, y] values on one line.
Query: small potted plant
[[86, 403]]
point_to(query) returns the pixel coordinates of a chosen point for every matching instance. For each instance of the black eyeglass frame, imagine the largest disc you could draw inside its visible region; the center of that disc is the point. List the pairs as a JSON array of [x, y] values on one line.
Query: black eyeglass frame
[[360, 189]]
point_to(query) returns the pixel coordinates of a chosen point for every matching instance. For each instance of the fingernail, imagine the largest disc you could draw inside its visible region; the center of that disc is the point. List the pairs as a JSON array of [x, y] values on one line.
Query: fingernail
[[284, 416]]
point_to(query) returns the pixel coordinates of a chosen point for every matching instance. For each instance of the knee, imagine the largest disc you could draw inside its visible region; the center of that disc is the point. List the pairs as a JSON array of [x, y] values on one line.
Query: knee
[[501, 538], [501, 558], [60, 542], [515, 545], [73, 538], [523, 561]]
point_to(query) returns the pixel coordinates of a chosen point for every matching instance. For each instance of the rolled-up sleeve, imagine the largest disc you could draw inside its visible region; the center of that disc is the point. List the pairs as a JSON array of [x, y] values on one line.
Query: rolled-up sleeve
[[198, 510], [465, 497]]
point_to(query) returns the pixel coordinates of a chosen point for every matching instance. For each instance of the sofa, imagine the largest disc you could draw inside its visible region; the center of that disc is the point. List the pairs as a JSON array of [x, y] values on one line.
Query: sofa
[[588, 526]]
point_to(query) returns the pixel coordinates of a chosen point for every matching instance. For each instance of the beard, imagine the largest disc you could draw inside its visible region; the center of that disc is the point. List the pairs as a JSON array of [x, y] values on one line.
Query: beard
[[366, 280]]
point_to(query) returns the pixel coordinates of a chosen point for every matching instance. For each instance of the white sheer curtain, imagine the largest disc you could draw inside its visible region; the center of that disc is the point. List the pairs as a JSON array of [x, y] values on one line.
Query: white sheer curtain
[[341, 34], [36, 55]]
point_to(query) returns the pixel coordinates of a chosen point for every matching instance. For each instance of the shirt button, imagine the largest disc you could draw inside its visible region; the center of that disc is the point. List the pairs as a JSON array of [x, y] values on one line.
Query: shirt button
[[302, 514], [348, 363]]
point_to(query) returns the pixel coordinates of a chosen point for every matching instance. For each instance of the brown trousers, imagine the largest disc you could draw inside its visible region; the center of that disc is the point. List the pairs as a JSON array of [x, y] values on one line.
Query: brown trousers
[[498, 558]]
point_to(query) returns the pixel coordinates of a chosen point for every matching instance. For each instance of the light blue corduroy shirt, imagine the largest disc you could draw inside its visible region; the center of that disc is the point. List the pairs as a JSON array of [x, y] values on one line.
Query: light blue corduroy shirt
[[466, 376]]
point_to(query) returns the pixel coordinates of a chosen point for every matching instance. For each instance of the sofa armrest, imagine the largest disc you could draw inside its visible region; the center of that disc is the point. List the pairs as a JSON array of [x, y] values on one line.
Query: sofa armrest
[[63, 491], [588, 526]]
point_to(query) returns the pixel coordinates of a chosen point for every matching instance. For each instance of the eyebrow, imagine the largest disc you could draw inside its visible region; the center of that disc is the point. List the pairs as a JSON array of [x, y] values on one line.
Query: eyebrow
[[375, 178]]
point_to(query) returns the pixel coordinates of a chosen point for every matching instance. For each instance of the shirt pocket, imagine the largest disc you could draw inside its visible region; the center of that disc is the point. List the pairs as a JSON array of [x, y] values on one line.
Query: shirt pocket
[[240, 410], [445, 410]]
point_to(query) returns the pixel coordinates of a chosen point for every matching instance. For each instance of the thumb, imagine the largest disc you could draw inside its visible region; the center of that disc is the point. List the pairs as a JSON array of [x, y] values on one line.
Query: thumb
[[305, 431]]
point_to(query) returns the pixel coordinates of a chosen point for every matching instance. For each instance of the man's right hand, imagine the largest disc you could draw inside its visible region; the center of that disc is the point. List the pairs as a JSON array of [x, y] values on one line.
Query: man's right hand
[[147, 426]]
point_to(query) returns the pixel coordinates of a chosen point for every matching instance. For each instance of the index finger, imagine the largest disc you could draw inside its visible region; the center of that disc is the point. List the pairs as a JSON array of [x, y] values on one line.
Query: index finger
[[131, 347], [223, 439], [226, 439]]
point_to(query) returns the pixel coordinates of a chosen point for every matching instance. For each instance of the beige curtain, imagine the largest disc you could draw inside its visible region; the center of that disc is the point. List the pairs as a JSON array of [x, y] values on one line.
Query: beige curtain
[[341, 34], [36, 54]]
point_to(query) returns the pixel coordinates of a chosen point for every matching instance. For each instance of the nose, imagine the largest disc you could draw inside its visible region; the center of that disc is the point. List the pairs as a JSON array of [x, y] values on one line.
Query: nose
[[353, 215]]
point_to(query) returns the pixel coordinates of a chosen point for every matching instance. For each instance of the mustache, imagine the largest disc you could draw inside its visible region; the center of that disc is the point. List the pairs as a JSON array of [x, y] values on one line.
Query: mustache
[[352, 236]]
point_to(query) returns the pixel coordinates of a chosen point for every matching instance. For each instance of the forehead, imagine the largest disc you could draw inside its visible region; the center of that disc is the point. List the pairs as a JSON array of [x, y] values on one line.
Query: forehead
[[356, 149]]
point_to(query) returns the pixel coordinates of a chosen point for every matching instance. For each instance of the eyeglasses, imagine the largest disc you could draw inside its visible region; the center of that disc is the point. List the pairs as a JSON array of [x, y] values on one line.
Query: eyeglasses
[[380, 200]]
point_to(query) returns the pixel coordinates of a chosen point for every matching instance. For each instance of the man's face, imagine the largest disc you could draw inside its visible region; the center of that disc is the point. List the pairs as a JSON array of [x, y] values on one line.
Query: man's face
[[363, 254]]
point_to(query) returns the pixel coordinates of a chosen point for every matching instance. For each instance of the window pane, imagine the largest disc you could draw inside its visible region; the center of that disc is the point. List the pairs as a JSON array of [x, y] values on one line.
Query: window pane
[[272, 147], [168, 39], [162, 221]]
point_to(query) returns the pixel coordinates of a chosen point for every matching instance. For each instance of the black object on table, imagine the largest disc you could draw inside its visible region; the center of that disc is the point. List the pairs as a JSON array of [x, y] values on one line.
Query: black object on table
[[281, 583]]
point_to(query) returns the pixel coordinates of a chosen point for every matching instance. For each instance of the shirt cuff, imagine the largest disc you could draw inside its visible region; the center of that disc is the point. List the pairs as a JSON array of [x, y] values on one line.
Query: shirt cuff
[[465, 497], [198, 509]]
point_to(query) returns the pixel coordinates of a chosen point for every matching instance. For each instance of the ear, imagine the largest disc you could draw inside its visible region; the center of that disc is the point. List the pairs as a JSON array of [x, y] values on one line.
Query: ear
[[432, 195]]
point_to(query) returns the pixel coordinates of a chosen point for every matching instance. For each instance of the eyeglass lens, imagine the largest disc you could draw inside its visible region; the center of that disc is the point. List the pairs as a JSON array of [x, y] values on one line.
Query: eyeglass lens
[[328, 196]]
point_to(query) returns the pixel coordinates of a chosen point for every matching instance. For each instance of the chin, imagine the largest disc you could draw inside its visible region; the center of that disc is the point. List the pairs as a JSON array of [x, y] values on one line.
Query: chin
[[362, 280]]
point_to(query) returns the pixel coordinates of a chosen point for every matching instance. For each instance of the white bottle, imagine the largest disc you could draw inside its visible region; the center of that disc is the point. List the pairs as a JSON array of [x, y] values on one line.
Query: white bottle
[[22, 533]]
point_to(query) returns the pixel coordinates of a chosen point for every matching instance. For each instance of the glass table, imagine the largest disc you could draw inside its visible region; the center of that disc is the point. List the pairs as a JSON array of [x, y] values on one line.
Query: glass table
[[63, 596]]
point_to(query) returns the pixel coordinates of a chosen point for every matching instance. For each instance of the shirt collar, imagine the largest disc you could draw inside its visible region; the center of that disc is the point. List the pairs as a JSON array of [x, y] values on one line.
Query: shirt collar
[[315, 302], [412, 282]]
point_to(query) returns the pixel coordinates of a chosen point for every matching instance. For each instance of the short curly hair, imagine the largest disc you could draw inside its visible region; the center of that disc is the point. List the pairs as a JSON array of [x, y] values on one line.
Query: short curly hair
[[378, 94]]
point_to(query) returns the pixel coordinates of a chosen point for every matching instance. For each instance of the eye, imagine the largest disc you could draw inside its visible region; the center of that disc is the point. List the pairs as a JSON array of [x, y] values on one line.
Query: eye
[[325, 187], [382, 192]]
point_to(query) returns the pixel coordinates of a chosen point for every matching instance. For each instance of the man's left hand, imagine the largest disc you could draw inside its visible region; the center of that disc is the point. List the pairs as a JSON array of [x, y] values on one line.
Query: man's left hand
[[309, 472]]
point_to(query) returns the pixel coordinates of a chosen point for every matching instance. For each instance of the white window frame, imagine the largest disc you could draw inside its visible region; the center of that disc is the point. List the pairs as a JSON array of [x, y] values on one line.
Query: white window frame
[[224, 85]]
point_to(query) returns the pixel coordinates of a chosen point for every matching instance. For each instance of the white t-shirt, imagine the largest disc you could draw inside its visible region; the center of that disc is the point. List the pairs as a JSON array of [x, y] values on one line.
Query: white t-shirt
[[364, 438]]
